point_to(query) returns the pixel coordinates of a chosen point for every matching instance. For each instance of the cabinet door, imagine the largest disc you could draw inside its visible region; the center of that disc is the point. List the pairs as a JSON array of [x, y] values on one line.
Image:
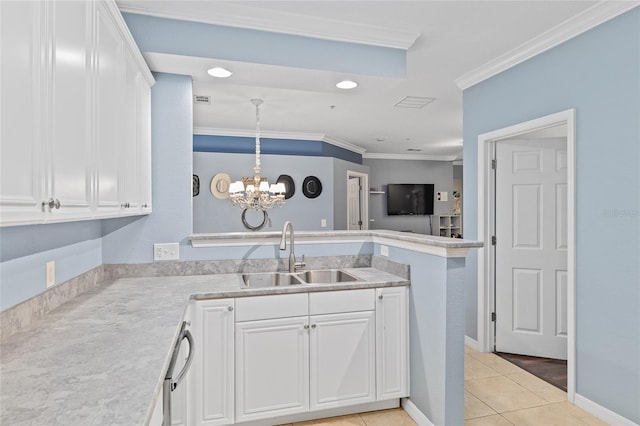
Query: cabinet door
[[342, 361], [144, 129], [109, 74], [21, 173], [69, 153], [212, 372], [129, 153], [272, 368], [392, 342]]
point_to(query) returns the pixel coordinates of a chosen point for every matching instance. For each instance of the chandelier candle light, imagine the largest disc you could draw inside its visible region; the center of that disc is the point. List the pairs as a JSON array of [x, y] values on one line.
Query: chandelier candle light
[[255, 192]]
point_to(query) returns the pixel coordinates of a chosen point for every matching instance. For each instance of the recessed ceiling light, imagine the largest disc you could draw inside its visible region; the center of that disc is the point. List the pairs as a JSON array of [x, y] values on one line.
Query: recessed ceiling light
[[219, 72], [347, 84], [379, 139]]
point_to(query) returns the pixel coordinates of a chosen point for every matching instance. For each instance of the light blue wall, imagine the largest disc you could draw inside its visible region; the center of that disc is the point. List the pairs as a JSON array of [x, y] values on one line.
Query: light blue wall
[[598, 74], [436, 334], [131, 240], [75, 247], [383, 172], [213, 215], [214, 41]]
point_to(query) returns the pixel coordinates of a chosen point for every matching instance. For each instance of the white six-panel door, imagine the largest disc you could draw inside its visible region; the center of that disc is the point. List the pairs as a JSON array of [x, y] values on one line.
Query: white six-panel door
[[531, 249], [355, 216]]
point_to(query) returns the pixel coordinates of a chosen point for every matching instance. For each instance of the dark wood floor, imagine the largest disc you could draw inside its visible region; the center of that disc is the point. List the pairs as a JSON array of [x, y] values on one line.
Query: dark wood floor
[[553, 371]]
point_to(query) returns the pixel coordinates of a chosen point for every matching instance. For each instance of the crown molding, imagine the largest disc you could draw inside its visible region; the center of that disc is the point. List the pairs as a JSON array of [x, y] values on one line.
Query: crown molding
[[262, 19], [214, 131], [423, 157], [572, 27]]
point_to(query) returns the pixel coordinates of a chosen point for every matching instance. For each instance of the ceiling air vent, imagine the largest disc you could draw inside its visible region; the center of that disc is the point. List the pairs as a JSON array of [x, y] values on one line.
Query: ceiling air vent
[[415, 102], [202, 99]]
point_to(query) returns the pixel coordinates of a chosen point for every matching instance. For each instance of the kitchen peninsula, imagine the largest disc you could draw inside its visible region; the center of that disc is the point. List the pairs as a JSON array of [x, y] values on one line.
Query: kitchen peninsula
[[101, 355]]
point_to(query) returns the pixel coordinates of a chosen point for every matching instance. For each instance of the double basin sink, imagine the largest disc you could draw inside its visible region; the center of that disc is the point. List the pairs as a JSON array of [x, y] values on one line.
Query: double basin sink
[[276, 279]]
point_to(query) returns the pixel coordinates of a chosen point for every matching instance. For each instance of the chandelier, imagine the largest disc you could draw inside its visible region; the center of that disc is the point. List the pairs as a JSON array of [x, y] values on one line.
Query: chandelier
[[255, 192]]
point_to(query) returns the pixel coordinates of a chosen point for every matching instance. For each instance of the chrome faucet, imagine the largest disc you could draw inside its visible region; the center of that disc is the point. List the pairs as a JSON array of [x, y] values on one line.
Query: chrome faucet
[[292, 254]]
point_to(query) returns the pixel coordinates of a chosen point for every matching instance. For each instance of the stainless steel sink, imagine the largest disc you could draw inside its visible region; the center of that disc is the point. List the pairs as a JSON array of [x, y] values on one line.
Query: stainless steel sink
[[326, 276], [270, 279]]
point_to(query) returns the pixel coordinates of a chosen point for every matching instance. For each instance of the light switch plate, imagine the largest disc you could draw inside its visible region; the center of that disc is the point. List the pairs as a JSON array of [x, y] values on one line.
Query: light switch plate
[[166, 251], [323, 223], [443, 196], [384, 250]]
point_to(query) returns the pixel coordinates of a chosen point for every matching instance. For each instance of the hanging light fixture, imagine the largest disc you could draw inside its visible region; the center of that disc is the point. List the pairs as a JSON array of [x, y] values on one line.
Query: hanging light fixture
[[255, 192]]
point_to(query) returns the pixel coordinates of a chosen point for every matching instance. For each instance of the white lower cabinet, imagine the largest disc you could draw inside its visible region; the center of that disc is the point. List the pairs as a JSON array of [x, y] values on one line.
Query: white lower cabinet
[[265, 357], [342, 367], [392, 342], [272, 368], [211, 377]]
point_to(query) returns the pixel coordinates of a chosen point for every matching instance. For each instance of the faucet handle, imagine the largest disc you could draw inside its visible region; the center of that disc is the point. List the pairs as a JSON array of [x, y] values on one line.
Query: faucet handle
[[301, 264]]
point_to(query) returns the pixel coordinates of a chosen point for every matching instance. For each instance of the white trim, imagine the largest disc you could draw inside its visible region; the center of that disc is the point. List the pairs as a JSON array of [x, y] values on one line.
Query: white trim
[[364, 197], [414, 412], [471, 343], [572, 27], [241, 16], [386, 156], [213, 131], [485, 295], [601, 412]]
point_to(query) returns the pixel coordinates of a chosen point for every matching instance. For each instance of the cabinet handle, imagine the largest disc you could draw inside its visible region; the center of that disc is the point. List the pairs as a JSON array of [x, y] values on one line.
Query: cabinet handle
[[313, 326], [306, 326], [51, 204], [229, 308]]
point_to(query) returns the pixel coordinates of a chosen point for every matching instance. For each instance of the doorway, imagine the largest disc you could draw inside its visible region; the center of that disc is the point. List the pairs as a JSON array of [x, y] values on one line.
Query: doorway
[[357, 200], [488, 266]]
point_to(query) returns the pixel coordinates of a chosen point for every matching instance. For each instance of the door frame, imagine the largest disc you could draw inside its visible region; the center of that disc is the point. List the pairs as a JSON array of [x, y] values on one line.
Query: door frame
[[364, 197], [486, 213]]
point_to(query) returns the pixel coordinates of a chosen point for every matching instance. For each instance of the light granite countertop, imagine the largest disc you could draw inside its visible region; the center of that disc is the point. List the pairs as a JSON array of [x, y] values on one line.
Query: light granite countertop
[[100, 358]]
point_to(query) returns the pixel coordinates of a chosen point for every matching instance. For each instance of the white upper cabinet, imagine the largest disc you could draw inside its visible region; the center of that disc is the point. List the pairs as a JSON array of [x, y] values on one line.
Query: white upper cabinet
[[69, 109], [75, 92], [21, 188]]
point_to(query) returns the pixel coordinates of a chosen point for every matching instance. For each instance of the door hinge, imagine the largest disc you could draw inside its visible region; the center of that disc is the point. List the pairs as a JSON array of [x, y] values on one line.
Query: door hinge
[[494, 164], [493, 316], [493, 240]]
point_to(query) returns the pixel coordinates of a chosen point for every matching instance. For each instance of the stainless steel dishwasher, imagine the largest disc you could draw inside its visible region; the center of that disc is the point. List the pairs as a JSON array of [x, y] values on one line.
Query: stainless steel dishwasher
[[170, 384]]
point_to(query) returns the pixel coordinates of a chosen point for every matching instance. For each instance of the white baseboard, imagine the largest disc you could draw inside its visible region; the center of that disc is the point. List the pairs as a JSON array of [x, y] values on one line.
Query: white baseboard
[[415, 413], [601, 412], [472, 343]]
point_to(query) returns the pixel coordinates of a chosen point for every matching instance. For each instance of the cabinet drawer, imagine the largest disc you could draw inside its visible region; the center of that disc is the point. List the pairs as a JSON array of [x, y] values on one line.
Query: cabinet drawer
[[341, 301], [276, 306]]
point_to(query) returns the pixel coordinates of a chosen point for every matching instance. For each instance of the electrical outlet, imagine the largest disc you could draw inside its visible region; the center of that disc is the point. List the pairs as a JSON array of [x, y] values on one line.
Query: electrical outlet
[[323, 223], [50, 273], [384, 250], [167, 251], [443, 196]]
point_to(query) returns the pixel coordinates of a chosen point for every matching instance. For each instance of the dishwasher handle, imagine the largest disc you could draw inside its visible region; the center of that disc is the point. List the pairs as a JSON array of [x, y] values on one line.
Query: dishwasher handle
[[186, 335]]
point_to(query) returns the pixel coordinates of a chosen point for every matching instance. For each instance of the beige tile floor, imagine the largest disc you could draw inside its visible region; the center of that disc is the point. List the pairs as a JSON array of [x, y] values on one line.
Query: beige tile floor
[[497, 393]]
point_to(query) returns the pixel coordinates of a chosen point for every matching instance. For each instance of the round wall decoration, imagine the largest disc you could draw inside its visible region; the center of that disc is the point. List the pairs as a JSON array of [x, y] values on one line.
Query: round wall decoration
[[220, 186], [195, 188], [289, 185], [265, 219], [311, 187]]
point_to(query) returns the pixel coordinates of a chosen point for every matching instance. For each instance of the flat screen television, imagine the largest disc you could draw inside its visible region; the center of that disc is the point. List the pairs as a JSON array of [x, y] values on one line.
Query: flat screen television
[[407, 199]]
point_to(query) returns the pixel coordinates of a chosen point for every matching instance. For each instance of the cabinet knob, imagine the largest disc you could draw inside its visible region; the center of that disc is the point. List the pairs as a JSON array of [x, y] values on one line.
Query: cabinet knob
[[145, 205], [313, 326], [229, 308], [306, 326], [380, 296]]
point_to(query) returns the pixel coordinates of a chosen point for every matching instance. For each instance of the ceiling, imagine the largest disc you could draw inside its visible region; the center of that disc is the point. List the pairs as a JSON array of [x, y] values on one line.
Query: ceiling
[[452, 38]]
